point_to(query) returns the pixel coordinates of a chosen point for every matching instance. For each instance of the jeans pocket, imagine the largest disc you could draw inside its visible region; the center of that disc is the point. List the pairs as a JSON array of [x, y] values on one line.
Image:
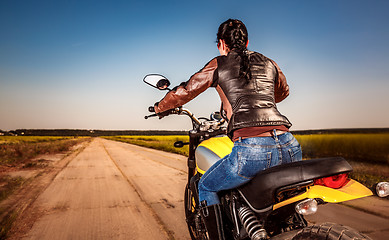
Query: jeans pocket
[[295, 152], [252, 161]]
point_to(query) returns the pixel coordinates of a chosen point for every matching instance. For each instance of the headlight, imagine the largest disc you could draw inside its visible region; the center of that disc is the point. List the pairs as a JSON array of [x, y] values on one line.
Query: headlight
[[306, 207], [382, 189]]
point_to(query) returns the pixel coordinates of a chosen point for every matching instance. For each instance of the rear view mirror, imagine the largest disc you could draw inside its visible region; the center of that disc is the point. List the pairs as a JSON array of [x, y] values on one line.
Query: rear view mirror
[[216, 116], [157, 81]]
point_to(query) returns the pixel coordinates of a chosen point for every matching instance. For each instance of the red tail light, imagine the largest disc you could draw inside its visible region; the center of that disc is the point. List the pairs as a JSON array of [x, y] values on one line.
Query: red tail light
[[336, 181]]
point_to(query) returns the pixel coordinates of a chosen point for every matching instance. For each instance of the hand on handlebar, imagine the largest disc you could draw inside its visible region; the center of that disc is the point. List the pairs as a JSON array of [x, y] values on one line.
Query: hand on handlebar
[[161, 114], [165, 113]]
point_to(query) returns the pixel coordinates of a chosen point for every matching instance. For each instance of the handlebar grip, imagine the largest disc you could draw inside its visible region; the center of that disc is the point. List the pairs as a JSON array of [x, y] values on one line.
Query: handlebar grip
[[151, 109]]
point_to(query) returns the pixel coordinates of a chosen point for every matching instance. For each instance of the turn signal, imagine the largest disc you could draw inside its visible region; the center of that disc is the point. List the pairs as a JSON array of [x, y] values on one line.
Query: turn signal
[[382, 189], [306, 207]]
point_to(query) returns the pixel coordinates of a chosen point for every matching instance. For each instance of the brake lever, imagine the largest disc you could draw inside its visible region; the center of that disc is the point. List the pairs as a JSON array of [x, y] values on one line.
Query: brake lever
[[152, 115]]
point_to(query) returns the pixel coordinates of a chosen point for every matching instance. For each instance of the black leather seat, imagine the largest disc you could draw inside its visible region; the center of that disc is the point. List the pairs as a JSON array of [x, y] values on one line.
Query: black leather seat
[[260, 192]]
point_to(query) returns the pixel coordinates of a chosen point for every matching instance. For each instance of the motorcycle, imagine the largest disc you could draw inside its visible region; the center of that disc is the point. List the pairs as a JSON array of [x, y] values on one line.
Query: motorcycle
[[273, 204]]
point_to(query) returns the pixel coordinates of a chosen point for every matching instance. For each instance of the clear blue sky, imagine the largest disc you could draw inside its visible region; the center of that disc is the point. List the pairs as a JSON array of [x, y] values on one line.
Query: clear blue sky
[[80, 64]]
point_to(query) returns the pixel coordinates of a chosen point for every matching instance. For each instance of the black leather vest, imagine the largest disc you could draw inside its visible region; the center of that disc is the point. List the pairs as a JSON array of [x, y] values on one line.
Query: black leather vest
[[252, 102]]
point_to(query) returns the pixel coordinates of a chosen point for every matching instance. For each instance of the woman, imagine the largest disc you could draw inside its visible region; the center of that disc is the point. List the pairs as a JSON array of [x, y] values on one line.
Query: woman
[[249, 85]]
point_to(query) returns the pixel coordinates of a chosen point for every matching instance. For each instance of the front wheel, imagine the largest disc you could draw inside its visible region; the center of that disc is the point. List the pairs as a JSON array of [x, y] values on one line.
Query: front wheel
[[193, 219], [329, 231]]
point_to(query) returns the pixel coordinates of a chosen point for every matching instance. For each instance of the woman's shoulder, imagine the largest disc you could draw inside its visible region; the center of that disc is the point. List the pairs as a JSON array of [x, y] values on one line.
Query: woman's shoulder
[[259, 56], [235, 56]]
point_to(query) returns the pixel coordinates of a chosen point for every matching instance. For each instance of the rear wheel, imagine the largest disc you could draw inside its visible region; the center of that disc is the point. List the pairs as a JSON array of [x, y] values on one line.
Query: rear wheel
[[328, 231]]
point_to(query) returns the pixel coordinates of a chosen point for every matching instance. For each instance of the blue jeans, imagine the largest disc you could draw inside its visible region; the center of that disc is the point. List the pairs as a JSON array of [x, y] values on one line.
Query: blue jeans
[[248, 157]]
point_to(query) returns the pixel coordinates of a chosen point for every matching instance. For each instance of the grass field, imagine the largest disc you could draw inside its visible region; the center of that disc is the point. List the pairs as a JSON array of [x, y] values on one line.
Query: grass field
[[368, 148], [17, 149], [18, 153], [367, 153], [30, 139], [164, 143]]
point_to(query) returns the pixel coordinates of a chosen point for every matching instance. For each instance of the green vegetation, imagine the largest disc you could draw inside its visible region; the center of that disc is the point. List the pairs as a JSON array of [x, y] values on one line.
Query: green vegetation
[[17, 152], [29, 139], [91, 133], [17, 149], [369, 148], [164, 143], [367, 153]]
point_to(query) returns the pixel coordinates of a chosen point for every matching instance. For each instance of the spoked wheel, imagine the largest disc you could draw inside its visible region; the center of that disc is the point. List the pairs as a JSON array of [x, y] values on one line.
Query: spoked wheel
[[193, 219]]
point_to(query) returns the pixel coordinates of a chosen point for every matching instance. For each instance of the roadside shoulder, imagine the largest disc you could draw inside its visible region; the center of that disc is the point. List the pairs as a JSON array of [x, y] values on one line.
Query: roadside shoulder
[[13, 217]]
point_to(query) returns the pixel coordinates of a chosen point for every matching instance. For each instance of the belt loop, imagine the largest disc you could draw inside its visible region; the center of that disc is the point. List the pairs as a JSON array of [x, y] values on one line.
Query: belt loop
[[275, 134], [240, 139]]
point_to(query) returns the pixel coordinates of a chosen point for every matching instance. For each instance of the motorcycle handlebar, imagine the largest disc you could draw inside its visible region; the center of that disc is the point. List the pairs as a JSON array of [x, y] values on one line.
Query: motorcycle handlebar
[[171, 111], [179, 110], [152, 115]]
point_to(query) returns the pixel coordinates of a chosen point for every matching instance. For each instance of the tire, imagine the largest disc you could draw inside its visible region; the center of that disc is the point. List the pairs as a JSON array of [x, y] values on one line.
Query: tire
[[329, 231], [195, 227]]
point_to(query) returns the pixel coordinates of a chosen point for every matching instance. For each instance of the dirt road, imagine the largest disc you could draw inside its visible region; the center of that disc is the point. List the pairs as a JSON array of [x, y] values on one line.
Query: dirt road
[[114, 190]]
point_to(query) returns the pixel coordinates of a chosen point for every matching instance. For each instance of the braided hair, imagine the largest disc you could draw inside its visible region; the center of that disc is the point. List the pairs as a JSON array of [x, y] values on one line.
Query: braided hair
[[234, 33]]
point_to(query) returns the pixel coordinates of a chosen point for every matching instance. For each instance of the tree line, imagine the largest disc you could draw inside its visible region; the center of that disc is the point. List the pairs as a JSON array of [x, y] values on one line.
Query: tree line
[[96, 133]]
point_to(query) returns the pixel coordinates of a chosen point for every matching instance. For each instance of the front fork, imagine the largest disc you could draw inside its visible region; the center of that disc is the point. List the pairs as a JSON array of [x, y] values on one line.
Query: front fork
[[194, 141]]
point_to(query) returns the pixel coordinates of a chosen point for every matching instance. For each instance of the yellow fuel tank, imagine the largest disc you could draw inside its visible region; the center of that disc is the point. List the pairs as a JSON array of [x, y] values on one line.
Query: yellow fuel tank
[[212, 150]]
